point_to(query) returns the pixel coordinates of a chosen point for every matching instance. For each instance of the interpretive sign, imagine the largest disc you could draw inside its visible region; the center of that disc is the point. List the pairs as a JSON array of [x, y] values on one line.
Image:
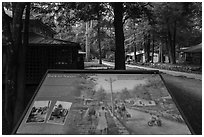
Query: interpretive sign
[[139, 101]]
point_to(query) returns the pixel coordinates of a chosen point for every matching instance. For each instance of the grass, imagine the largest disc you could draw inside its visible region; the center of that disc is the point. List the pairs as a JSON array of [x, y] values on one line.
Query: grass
[[175, 67], [95, 65]]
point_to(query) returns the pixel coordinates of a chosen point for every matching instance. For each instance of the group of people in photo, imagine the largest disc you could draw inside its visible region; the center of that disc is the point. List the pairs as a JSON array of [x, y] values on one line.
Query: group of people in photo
[[97, 118]]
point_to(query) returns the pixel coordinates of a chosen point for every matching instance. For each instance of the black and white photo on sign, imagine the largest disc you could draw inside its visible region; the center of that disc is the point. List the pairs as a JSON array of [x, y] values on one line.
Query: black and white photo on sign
[[38, 112], [59, 113]]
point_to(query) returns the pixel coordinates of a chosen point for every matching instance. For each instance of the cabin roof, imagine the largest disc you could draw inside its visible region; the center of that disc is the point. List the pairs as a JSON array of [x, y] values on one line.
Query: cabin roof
[[194, 49], [40, 39]]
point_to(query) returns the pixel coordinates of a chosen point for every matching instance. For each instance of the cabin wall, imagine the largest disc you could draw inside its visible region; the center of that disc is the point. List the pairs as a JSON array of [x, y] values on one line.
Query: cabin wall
[[41, 57]]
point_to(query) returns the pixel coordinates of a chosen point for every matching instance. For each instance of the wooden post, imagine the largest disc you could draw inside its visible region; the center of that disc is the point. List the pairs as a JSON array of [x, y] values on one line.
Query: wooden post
[[111, 88]]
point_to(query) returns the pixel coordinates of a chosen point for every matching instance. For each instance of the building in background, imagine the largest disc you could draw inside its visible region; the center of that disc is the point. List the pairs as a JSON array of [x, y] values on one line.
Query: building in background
[[191, 55], [45, 52]]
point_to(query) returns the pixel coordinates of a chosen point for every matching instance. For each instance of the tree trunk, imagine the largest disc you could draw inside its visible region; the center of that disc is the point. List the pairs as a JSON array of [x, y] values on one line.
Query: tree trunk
[[167, 47], [119, 36], [135, 48], [21, 68], [174, 44], [153, 48], [135, 56], [87, 42], [161, 54], [99, 38], [10, 89], [147, 48], [17, 37], [9, 95], [171, 45], [99, 46]]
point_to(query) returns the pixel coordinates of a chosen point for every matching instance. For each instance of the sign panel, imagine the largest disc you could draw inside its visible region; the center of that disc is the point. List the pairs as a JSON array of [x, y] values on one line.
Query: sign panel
[[73, 103]]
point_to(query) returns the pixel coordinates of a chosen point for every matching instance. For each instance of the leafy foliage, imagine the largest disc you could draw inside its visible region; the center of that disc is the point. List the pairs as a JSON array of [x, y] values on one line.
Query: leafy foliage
[[100, 94], [173, 25]]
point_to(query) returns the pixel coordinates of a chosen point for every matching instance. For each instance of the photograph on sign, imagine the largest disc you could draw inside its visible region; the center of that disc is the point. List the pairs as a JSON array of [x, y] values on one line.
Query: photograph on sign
[[59, 113], [38, 112]]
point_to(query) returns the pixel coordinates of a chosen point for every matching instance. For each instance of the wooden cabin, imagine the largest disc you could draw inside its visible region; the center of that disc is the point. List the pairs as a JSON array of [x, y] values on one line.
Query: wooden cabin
[[45, 52]]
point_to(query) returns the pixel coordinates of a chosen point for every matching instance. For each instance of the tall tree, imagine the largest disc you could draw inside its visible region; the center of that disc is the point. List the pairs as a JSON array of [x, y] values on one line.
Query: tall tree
[[90, 12], [176, 20], [106, 40], [21, 74], [88, 29], [119, 36], [99, 34], [13, 71], [153, 46], [9, 97]]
